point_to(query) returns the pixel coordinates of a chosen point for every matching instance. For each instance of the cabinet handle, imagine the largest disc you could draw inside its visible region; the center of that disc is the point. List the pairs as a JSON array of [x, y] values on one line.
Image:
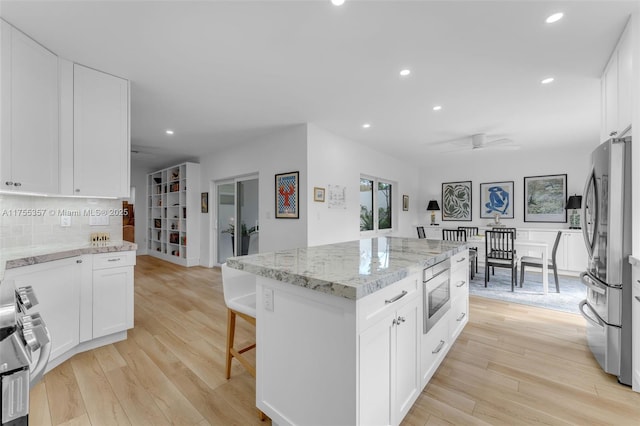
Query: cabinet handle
[[77, 189], [8, 183], [461, 284], [438, 348], [395, 299], [461, 317], [613, 133], [17, 184], [401, 319], [461, 260], [113, 260], [638, 298], [79, 261]]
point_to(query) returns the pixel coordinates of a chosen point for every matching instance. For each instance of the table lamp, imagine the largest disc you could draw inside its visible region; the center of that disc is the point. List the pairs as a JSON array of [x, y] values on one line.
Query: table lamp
[[574, 203], [433, 207]]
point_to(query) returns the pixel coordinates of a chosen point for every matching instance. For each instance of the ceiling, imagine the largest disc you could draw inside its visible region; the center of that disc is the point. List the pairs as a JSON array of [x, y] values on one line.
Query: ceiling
[[225, 72]]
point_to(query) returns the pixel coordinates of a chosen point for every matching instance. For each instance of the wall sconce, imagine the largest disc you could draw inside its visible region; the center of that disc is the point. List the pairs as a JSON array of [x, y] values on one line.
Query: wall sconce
[[574, 203], [433, 207]]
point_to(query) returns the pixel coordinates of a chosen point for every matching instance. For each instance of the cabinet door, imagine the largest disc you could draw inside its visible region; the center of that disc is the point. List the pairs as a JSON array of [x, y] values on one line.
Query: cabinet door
[[576, 252], [112, 300], [57, 288], [549, 237], [407, 376], [610, 98], [101, 146], [29, 145], [625, 82], [635, 325], [375, 372]]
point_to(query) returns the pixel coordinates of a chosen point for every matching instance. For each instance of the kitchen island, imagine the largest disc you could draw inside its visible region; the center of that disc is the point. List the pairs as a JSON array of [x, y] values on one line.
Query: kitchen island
[[340, 330]]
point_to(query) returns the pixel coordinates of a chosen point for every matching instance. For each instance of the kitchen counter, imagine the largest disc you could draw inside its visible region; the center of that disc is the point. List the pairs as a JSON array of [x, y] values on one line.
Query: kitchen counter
[[23, 256], [351, 269]]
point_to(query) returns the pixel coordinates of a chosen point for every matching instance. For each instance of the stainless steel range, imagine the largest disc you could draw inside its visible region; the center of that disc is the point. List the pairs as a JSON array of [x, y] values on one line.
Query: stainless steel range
[[24, 351]]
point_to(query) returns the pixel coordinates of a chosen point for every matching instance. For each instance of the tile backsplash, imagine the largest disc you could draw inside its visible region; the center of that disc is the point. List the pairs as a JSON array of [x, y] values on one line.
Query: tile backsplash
[[34, 221]]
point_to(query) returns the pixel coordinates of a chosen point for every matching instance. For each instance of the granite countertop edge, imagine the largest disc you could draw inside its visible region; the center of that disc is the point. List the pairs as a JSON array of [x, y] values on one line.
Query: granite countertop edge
[[342, 289], [26, 256]]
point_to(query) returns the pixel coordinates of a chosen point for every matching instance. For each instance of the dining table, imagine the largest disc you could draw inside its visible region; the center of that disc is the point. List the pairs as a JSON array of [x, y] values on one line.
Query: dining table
[[539, 247]]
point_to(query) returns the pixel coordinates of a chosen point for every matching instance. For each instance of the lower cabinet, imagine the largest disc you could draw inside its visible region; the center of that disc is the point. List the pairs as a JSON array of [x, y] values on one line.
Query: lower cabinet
[[635, 323], [56, 285], [389, 381]]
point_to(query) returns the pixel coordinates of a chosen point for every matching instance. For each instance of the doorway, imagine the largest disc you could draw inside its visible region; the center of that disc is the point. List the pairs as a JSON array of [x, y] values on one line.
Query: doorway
[[236, 229]]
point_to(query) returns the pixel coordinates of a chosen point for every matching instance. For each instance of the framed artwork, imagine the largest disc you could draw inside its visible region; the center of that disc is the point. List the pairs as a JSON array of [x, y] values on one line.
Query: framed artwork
[[157, 223], [496, 198], [318, 194], [545, 198], [204, 202], [456, 201], [405, 203], [287, 196]]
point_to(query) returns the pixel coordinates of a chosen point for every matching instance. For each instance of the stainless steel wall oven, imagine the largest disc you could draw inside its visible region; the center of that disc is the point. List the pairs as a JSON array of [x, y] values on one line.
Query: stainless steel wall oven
[[436, 293]]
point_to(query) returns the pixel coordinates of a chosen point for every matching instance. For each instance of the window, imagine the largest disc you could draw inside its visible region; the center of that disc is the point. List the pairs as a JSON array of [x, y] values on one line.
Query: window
[[375, 205]]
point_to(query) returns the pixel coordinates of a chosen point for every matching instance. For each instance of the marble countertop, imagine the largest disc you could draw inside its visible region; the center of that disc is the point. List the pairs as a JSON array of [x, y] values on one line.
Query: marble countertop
[[352, 269], [23, 256]]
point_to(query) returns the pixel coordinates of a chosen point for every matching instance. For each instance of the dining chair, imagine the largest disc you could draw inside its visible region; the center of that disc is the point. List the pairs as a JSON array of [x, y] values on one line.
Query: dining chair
[[536, 262], [461, 235], [500, 252], [421, 233], [239, 289], [472, 231]]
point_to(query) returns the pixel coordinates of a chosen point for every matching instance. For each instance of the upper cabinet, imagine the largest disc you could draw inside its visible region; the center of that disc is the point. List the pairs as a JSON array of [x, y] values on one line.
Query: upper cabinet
[[101, 144], [617, 91], [65, 127], [29, 144]]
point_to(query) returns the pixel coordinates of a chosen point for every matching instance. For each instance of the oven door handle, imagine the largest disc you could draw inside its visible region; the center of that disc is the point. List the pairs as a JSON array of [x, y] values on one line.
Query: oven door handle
[[597, 322], [588, 281], [43, 360]]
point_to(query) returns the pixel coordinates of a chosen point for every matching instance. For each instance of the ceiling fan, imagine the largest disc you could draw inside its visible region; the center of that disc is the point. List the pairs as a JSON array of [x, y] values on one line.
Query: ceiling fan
[[479, 141]]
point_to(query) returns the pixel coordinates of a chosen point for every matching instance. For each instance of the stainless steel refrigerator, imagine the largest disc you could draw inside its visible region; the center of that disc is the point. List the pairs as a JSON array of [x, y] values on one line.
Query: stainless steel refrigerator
[[607, 235]]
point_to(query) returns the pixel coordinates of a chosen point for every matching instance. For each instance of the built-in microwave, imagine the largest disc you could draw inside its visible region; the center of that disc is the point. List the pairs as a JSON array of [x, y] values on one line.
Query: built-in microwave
[[436, 293]]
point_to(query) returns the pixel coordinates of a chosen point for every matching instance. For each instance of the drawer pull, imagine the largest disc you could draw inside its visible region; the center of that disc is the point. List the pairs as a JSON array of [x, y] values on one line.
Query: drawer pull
[[438, 348], [638, 298], [79, 261], [460, 284], [113, 260], [461, 317], [461, 260], [395, 299]]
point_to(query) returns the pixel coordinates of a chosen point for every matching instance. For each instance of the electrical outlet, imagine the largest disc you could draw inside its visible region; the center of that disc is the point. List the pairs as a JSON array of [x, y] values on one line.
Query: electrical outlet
[[65, 221], [267, 299]]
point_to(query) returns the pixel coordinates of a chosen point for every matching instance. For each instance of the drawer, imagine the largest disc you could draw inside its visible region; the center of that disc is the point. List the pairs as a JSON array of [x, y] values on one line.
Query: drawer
[[459, 282], [459, 316], [434, 346], [460, 260], [377, 305], [113, 260]]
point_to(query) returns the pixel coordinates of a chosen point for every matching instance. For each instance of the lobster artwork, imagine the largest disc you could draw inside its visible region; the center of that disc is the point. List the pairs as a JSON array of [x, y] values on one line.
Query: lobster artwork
[[286, 193]]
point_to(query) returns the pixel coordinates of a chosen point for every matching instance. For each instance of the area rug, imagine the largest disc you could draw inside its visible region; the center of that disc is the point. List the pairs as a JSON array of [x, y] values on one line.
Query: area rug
[[572, 291]]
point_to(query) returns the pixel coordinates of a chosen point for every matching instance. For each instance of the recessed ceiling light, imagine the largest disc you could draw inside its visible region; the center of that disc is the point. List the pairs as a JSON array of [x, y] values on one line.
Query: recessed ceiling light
[[169, 131], [547, 80], [554, 18], [437, 108], [366, 125], [337, 2], [405, 72]]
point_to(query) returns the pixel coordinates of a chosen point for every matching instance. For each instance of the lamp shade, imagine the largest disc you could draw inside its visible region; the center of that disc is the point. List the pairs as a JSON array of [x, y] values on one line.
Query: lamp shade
[[574, 202], [433, 205]]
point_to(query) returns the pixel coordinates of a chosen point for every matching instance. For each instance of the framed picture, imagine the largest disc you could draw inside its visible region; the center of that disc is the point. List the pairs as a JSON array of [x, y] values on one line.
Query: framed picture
[[157, 223], [545, 198], [456, 201], [405, 203], [287, 196], [318, 194], [496, 198], [204, 202]]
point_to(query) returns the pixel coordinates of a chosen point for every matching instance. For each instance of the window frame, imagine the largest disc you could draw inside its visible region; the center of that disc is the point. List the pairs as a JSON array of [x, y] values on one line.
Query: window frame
[[376, 181]]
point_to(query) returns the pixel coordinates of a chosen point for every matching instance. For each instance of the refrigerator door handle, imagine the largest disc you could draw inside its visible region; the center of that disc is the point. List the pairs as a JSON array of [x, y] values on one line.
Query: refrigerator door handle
[[597, 322], [588, 281], [590, 185]]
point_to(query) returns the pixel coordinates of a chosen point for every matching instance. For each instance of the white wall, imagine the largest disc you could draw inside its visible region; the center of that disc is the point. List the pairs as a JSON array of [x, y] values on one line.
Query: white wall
[[635, 150], [279, 152], [139, 181], [338, 161], [481, 166]]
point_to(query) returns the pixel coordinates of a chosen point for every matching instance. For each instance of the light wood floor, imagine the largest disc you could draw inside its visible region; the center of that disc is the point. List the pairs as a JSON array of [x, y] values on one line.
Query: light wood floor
[[512, 365]]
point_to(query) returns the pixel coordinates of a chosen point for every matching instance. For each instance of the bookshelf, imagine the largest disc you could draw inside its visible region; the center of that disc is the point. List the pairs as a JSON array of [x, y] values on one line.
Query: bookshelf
[[173, 231]]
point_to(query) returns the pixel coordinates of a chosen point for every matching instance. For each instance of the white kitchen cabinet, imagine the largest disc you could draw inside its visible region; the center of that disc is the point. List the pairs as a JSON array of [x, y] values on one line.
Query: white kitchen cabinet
[[56, 285], [101, 142], [112, 293], [459, 315], [635, 323], [389, 356], [29, 147], [571, 255], [616, 87]]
